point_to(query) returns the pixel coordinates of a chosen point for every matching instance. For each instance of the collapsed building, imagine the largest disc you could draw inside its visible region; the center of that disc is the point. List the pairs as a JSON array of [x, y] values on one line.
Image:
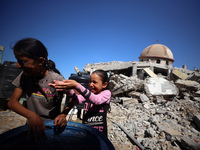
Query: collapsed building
[[157, 57], [154, 105], [155, 61]]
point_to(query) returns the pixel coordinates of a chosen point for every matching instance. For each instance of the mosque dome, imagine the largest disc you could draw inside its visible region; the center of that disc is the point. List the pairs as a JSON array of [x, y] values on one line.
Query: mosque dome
[[157, 51]]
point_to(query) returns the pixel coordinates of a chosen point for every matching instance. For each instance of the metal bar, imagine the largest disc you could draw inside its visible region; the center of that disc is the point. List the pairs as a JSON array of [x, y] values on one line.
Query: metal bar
[[2, 50]]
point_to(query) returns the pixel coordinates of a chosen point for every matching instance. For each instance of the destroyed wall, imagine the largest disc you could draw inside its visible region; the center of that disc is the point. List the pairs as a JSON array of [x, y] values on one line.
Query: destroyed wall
[[114, 66], [156, 112], [131, 68]]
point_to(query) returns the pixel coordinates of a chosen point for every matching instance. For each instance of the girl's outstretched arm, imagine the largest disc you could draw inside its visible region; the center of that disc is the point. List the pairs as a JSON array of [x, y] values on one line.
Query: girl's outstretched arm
[[64, 85], [103, 97]]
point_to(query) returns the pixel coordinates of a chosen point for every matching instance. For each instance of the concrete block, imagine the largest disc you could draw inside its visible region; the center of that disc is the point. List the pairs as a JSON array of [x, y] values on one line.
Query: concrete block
[[197, 120], [172, 132], [159, 86], [180, 74], [144, 98], [149, 72], [189, 144]]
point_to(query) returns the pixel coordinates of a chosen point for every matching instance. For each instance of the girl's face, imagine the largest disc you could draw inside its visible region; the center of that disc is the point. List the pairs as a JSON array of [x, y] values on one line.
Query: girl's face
[[96, 85], [28, 65]]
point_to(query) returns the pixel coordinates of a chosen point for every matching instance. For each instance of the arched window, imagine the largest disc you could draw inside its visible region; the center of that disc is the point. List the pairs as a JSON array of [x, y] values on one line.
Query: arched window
[[158, 61], [167, 62]]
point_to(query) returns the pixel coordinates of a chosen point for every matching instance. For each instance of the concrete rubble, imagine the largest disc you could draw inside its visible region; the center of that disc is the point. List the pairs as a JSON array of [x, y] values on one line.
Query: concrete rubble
[[161, 112]]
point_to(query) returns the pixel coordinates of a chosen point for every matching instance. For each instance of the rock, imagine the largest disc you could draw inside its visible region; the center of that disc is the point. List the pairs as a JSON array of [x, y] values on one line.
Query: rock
[[144, 98]]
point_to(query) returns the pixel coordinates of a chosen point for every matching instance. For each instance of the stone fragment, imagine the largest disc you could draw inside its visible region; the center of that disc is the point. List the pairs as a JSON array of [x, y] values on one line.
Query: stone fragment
[[126, 101], [153, 120], [197, 93], [161, 111], [144, 98], [134, 94], [189, 144]]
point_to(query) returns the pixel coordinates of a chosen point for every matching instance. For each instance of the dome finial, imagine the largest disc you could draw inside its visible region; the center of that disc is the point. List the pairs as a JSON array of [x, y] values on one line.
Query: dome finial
[[157, 41]]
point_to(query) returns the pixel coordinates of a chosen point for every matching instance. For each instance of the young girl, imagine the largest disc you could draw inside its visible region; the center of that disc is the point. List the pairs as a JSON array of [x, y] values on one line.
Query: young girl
[[43, 101], [96, 99]]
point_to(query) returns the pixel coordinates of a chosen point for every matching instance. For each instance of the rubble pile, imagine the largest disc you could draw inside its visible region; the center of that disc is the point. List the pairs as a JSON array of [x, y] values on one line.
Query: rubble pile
[[159, 112]]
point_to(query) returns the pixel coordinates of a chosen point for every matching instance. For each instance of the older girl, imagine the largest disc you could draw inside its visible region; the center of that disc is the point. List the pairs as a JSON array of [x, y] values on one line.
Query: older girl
[[43, 101]]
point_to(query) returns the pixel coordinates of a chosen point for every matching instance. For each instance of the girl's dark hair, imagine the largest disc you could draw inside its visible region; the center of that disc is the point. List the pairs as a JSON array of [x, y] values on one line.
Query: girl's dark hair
[[104, 76], [33, 48]]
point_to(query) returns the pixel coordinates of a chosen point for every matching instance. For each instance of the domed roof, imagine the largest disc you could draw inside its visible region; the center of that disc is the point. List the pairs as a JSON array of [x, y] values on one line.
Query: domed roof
[[157, 51]]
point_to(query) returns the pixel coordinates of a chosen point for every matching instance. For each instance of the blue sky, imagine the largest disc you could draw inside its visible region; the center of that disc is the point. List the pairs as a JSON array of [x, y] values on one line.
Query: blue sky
[[77, 32]]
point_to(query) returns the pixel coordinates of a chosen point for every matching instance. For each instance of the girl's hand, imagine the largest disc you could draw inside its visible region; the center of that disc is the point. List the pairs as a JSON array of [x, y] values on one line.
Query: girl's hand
[[36, 127], [64, 85], [60, 120], [58, 85], [71, 84]]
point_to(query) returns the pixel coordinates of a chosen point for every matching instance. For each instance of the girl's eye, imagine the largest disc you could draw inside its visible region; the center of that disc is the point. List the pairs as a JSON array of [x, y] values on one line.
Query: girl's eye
[[94, 82], [21, 62]]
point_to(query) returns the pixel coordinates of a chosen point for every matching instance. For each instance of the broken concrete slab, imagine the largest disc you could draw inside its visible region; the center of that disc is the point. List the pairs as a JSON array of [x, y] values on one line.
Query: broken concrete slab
[[195, 76], [189, 144], [127, 101], [108, 66], [159, 86], [172, 132], [169, 131], [196, 120], [134, 94], [188, 84], [179, 74], [120, 84], [149, 72]]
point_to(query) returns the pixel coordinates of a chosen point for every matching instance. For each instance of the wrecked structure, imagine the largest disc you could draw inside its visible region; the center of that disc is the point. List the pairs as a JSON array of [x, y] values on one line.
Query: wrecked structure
[[157, 57], [159, 112], [154, 105]]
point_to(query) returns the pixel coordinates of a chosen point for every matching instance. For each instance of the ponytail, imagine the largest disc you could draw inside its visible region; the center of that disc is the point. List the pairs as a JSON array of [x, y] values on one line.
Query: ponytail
[[50, 65]]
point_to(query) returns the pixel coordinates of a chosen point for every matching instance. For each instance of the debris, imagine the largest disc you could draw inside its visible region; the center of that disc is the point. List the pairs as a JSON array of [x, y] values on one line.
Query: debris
[[130, 136], [149, 72], [179, 74], [160, 86], [189, 144]]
